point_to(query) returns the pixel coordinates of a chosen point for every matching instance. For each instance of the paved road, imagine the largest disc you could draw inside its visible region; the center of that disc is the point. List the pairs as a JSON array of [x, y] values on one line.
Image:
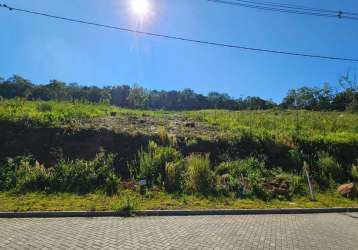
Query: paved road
[[315, 231]]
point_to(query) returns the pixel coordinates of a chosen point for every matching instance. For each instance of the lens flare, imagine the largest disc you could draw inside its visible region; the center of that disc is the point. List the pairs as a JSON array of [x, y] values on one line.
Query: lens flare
[[140, 8]]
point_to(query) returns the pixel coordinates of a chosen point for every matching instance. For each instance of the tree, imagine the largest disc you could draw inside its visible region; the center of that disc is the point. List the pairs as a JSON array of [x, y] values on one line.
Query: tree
[[119, 95], [138, 97], [350, 87]]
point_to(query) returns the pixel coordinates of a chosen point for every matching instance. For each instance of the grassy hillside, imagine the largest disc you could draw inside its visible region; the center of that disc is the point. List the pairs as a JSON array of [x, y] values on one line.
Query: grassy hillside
[[281, 125], [83, 148]]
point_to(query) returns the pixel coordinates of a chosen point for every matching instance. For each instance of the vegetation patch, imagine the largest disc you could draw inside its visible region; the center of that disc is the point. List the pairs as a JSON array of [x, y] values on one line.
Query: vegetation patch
[[131, 159]]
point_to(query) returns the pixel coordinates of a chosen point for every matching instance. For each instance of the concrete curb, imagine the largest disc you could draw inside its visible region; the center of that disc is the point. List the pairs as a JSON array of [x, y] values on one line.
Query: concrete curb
[[64, 214]]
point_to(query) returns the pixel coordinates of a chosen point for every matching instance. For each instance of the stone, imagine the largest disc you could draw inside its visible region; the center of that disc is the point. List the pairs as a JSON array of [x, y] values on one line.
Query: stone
[[348, 190], [190, 124]]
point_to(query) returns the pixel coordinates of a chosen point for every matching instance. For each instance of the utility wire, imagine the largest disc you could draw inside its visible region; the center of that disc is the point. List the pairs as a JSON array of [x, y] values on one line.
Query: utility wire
[[177, 37], [291, 10], [298, 7]]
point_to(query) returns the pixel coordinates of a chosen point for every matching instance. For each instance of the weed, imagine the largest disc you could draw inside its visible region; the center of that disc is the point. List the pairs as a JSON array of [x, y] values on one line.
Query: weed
[[153, 161], [174, 176], [199, 177], [126, 204]]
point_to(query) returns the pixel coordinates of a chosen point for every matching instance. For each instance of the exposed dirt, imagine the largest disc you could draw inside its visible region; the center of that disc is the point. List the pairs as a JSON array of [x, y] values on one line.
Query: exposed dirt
[[176, 125]]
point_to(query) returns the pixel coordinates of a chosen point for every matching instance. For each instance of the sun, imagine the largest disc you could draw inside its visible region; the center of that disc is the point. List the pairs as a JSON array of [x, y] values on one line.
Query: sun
[[140, 8]]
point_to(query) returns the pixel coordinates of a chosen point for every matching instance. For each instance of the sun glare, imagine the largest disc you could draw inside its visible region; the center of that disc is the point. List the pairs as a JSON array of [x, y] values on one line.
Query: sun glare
[[140, 8]]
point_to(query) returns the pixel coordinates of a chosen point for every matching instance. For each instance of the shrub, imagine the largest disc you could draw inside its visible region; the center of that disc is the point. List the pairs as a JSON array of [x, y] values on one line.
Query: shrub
[[127, 204], [328, 170], [85, 176], [251, 167], [8, 175], [225, 167], [296, 158], [174, 176], [152, 162], [147, 166], [247, 173], [199, 177], [297, 183], [32, 177], [44, 107], [24, 174]]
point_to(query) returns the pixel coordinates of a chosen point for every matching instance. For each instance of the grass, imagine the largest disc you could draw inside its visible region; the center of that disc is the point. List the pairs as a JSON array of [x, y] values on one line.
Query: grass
[[283, 124], [154, 200], [280, 125], [58, 114]]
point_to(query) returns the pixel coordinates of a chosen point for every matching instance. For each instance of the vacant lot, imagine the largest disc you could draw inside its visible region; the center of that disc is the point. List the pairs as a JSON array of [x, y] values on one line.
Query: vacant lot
[[210, 157]]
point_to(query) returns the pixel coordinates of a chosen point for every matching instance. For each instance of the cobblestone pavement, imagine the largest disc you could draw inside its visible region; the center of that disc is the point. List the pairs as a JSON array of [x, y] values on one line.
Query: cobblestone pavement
[[312, 231]]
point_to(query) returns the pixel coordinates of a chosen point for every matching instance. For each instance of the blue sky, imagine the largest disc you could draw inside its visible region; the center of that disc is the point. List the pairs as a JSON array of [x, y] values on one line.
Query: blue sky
[[41, 49]]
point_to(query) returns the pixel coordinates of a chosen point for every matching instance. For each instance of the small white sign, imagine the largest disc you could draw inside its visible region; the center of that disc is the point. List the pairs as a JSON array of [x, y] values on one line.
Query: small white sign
[[142, 182]]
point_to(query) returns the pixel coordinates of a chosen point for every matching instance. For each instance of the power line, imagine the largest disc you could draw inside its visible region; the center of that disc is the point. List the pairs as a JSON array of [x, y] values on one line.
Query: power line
[[299, 7], [177, 37], [282, 8]]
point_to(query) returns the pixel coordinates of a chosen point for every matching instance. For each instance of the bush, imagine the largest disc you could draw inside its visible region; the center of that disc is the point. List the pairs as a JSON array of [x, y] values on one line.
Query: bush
[[297, 183], [296, 159], [199, 177], [225, 167], [127, 204], [328, 170], [23, 174], [252, 168], [32, 177], [44, 107], [85, 176], [174, 176], [247, 173], [8, 174], [152, 162]]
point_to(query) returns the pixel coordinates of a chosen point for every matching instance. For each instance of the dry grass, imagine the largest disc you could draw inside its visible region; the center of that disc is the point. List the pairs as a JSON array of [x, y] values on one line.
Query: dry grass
[[154, 200]]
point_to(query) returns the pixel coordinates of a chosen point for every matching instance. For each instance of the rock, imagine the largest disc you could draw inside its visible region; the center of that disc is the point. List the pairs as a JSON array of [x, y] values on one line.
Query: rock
[[190, 124], [276, 189], [281, 191], [348, 190], [129, 185], [284, 185]]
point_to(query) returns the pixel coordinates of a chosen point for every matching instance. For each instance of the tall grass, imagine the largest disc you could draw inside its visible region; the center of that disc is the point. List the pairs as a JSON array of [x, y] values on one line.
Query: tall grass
[[283, 124], [199, 177], [24, 174]]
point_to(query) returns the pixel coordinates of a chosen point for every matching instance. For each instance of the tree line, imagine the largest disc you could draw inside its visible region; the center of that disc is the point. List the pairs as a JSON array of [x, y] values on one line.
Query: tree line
[[310, 98]]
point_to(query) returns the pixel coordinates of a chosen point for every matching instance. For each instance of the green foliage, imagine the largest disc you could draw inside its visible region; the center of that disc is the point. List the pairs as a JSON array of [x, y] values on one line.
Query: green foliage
[[296, 158], [251, 168], [138, 97], [85, 176], [199, 177], [174, 176], [248, 173], [39, 113], [297, 183], [126, 204], [281, 125], [153, 161], [23, 174], [354, 173], [44, 107], [328, 170]]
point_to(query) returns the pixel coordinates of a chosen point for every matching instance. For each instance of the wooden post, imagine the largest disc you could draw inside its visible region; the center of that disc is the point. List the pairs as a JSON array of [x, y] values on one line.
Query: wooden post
[[305, 168]]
